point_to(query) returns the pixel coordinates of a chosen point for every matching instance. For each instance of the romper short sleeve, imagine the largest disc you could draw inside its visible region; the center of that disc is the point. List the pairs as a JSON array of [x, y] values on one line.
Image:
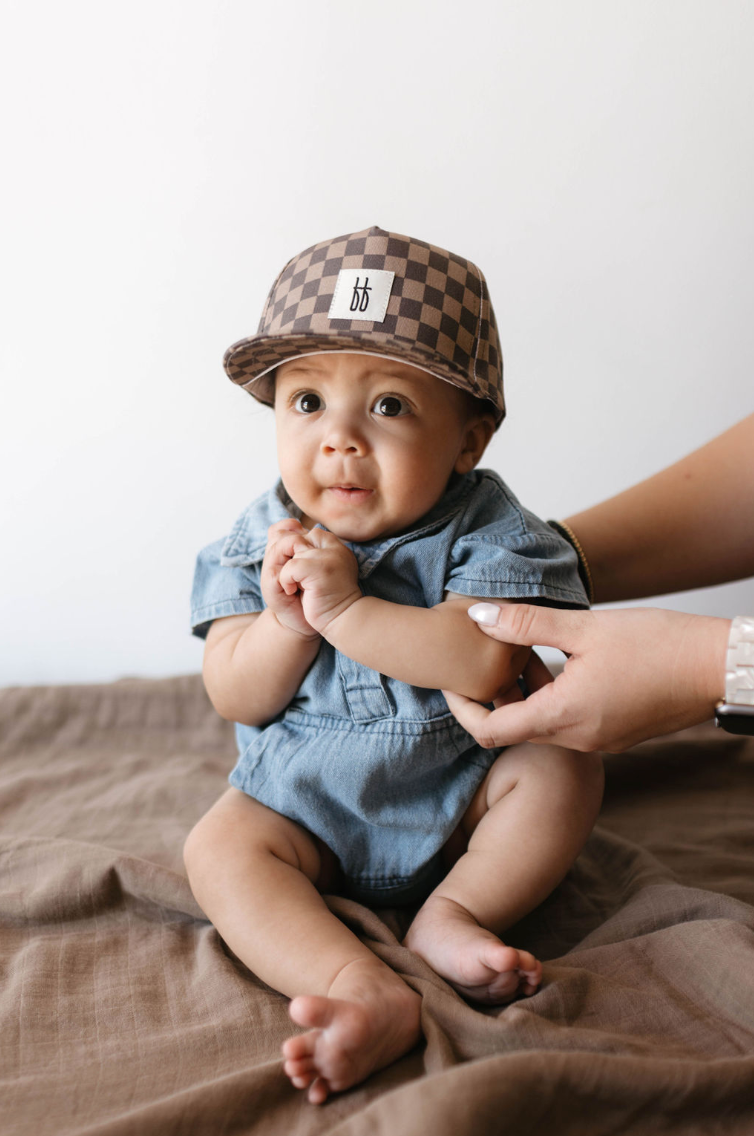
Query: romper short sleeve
[[221, 589], [507, 552], [227, 577]]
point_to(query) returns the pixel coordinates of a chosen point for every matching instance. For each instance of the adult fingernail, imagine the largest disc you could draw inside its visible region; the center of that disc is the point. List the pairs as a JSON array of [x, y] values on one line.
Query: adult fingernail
[[484, 613]]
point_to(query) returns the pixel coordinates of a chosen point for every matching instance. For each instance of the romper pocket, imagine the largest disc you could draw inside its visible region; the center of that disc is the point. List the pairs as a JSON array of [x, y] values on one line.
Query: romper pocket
[[365, 691]]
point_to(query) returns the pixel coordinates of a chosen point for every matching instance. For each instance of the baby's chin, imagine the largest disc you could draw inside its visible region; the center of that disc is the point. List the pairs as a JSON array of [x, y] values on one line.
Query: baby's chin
[[357, 529]]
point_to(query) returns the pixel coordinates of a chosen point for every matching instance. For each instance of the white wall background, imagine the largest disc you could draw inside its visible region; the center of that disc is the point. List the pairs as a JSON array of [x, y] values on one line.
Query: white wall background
[[163, 159]]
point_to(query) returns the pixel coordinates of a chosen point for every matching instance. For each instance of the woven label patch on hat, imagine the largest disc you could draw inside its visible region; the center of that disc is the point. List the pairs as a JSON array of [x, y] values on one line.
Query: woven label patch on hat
[[361, 294]]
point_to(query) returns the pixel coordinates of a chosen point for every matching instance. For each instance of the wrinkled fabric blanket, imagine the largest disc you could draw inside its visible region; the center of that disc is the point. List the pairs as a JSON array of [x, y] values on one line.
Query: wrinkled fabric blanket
[[122, 1011]]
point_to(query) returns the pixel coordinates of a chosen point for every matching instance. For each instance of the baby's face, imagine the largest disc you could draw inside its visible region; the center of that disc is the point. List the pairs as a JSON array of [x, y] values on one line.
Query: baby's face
[[366, 445]]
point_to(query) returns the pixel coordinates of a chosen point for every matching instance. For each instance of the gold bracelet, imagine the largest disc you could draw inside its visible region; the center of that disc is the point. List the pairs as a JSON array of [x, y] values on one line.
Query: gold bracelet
[[573, 540]]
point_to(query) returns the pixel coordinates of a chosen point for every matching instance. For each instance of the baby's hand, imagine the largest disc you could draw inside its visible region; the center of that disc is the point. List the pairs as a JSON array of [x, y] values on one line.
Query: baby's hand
[[283, 540], [327, 574]]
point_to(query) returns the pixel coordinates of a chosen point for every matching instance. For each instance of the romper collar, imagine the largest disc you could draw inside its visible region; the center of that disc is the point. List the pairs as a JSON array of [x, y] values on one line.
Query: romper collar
[[247, 541]]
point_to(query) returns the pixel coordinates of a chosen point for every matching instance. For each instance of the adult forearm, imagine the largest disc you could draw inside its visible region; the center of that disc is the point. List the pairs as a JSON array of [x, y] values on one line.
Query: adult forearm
[[688, 526], [435, 647], [252, 672]]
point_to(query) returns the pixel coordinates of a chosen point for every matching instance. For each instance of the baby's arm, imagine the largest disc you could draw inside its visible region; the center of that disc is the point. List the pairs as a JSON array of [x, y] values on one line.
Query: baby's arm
[[254, 664], [430, 647]]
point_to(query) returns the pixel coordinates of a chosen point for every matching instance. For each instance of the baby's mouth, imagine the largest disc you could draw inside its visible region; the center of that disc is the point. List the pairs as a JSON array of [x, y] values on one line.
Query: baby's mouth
[[350, 492]]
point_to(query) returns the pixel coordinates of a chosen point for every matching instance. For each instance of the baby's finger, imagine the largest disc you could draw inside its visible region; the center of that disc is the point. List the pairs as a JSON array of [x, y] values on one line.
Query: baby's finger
[[288, 524], [322, 538], [286, 579], [293, 572], [284, 547]]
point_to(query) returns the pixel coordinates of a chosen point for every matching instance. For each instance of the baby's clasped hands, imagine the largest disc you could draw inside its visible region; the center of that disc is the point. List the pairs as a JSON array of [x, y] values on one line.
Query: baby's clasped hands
[[323, 574], [282, 540]]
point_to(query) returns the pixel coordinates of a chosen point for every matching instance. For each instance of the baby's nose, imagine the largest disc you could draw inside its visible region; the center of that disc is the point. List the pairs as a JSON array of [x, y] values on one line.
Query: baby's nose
[[344, 437]]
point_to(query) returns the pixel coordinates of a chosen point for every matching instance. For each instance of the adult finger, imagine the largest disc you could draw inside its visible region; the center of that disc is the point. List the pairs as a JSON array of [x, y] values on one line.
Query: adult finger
[[536, 674], [534, 719], [529, 625], [512, 694], [472, 716]]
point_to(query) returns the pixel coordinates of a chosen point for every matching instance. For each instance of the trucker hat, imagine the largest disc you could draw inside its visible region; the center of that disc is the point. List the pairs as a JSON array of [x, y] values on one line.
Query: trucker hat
[[377, 293]]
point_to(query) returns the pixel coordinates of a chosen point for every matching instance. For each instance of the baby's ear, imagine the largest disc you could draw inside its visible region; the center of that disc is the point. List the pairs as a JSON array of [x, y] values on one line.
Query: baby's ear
[[479, 431]]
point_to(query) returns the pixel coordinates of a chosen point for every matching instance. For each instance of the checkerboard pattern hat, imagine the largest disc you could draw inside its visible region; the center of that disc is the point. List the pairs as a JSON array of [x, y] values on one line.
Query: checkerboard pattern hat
[[429, 308]]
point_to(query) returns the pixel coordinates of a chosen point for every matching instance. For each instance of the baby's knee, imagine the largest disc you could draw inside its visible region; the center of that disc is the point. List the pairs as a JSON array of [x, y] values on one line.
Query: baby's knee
[[576, 783], [239, 833], [216, 838], [584, 771], [557, 771], [201, 846]]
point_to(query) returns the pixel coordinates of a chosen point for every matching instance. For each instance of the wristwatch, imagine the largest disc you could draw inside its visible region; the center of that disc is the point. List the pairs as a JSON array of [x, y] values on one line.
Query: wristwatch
[[736, 712]]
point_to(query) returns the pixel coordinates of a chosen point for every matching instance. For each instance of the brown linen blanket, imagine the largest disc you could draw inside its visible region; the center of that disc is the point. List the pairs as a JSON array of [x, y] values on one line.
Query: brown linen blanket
[[122, 1012]]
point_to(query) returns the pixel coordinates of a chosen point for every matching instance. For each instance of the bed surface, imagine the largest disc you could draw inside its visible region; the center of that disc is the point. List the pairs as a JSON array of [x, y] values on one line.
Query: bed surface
[[122, 1012]]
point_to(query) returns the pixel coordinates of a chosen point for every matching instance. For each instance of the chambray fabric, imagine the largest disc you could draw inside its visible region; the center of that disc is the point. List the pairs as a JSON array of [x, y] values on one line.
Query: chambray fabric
[[378, 769]]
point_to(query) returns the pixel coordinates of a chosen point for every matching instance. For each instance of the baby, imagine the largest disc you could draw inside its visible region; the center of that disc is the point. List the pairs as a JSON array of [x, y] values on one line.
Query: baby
[[335, 613]]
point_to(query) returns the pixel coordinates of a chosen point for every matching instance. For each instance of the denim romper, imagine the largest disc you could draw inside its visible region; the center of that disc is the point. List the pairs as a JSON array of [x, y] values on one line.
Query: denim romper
[[378, 769]]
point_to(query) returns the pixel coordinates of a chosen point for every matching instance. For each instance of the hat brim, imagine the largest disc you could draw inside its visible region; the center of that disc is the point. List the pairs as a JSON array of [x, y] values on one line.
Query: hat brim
[[251, 362]]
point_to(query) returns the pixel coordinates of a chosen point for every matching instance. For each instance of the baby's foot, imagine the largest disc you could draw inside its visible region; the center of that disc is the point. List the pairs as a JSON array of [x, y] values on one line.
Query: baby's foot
[[369, 1019], [473, 960]]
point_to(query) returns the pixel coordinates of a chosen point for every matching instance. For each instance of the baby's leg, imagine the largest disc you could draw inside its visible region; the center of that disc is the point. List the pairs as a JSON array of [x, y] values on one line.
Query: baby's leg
[[254, 874], [526, 825]]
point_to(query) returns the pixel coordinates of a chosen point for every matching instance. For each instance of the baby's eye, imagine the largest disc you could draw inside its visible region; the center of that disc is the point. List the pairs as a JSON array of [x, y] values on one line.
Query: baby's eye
[[308, 403], [390, 406]]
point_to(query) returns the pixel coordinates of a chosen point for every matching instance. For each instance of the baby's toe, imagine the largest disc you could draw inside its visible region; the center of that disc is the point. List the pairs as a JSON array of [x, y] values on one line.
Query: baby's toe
[[528, 964], [530, 983], [319, 1091], [299, 1046], [500, 958], [504, 988], [531, 971], [302, 1070], [312, 1011]]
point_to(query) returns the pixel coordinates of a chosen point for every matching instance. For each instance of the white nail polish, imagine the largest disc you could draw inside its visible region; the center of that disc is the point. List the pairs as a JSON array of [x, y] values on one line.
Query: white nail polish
[[484, 613]]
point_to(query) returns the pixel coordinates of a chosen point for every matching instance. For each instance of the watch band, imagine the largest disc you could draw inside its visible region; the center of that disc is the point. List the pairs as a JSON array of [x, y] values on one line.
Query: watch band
[[736, 713]]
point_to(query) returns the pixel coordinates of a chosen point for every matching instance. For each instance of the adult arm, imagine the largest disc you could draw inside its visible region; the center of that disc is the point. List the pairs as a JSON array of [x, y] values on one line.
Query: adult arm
[[634, 674], [689, 526]]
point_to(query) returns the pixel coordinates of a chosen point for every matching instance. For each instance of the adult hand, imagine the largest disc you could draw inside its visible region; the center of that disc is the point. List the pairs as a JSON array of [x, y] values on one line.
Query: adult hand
[[630, 675]]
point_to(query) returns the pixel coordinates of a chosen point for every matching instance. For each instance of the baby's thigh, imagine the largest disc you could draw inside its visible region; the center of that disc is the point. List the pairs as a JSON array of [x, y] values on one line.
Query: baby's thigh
[[557, 778], [240, 830]]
